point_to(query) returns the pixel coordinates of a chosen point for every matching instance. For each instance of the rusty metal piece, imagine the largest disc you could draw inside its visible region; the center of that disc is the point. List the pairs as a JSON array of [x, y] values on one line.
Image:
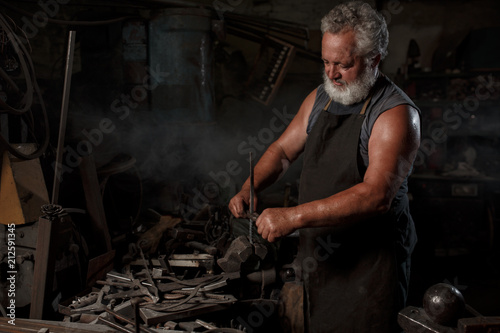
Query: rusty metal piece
[[207, 287], [74, 317], [156, 298], [174, 296], [153, 317], [189, 326], [192, 294], [192, 260], [137, 288], [136, 304], [186, 306], [150, 240], [159, 272], [135, 323], [202, 247], [239, 251], [130, 282], [117, 276], [97, 305], [220, 297], [205, 324], [84, 301], [178, 284], [114, 325], [86, 318], [183, 234], [142, 291], [170, 325]]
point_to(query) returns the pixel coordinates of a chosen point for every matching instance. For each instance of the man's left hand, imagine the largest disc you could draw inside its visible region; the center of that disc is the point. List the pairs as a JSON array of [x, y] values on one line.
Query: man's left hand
[[275, 223]]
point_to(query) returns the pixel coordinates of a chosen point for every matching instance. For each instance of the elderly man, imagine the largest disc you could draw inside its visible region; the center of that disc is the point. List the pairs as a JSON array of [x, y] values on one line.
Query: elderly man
[[359, 134]]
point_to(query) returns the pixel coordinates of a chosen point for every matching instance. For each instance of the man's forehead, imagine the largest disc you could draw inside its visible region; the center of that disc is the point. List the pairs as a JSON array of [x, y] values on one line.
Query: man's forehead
[[346, 38], [343, 43]]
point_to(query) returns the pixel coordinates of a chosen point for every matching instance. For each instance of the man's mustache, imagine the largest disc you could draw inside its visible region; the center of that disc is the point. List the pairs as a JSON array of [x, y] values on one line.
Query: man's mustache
[[339, 81]]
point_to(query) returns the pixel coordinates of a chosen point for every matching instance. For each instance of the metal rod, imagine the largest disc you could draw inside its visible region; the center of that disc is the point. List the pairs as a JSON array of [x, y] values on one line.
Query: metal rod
[[251, 184], [205, 324], [119, 316], [250, 221], [156, 297], [64, 114], [114, 325]]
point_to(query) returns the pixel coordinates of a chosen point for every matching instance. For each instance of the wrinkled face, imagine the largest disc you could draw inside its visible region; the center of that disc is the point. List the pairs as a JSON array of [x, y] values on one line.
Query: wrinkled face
[[347, 78]]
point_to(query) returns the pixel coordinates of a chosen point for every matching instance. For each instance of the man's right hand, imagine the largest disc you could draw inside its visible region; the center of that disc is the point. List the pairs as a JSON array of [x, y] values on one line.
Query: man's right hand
[[239, 204]]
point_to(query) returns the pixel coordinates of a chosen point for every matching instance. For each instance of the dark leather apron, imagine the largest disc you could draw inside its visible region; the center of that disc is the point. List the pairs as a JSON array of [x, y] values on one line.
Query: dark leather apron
[[350, 275]]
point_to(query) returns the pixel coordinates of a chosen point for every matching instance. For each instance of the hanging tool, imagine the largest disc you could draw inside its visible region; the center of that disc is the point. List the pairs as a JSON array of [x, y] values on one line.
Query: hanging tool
[[251, 211]]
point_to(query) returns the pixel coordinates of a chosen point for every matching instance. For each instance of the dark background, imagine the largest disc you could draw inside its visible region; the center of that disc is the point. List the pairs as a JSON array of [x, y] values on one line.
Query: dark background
[[194, 129]]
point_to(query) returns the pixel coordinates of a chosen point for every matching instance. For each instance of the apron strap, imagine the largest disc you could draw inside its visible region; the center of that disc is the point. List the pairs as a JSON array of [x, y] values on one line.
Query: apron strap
[[327, 105], [363, 110]]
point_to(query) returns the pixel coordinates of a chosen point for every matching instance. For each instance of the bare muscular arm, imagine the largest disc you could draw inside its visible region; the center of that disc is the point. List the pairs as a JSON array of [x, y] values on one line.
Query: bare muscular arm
[[276, 158], [392, 148]]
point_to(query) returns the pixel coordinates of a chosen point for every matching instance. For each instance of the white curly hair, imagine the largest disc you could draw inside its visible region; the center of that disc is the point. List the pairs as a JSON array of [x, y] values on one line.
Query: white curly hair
[[368, 25]]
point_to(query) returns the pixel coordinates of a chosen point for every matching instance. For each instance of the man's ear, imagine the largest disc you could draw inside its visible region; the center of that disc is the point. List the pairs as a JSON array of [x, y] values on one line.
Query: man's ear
[[376, 60]]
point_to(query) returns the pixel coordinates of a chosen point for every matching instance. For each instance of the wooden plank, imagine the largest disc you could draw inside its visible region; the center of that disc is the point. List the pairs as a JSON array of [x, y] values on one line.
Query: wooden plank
[[99, 266], [22, 187], [95, 207], [10, 206], [29, 325], [44, 265], [53, 237]]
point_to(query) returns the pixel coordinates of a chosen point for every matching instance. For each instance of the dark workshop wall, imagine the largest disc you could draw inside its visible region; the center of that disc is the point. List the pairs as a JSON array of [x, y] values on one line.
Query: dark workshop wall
[[175, 161], [163, 154]]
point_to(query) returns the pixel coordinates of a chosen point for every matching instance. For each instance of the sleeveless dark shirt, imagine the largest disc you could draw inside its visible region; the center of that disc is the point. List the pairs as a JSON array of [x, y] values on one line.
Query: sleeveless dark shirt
[[385, 98]]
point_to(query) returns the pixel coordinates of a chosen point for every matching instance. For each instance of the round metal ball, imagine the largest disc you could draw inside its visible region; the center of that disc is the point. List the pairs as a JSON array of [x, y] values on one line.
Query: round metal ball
[[444, 304]]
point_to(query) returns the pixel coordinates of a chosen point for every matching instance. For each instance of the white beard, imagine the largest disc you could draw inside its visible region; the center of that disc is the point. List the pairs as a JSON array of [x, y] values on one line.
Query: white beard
[[354, 92]]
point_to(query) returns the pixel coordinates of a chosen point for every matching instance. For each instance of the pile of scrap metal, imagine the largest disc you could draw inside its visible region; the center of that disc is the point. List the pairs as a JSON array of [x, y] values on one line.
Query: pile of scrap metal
[[186, 276]]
